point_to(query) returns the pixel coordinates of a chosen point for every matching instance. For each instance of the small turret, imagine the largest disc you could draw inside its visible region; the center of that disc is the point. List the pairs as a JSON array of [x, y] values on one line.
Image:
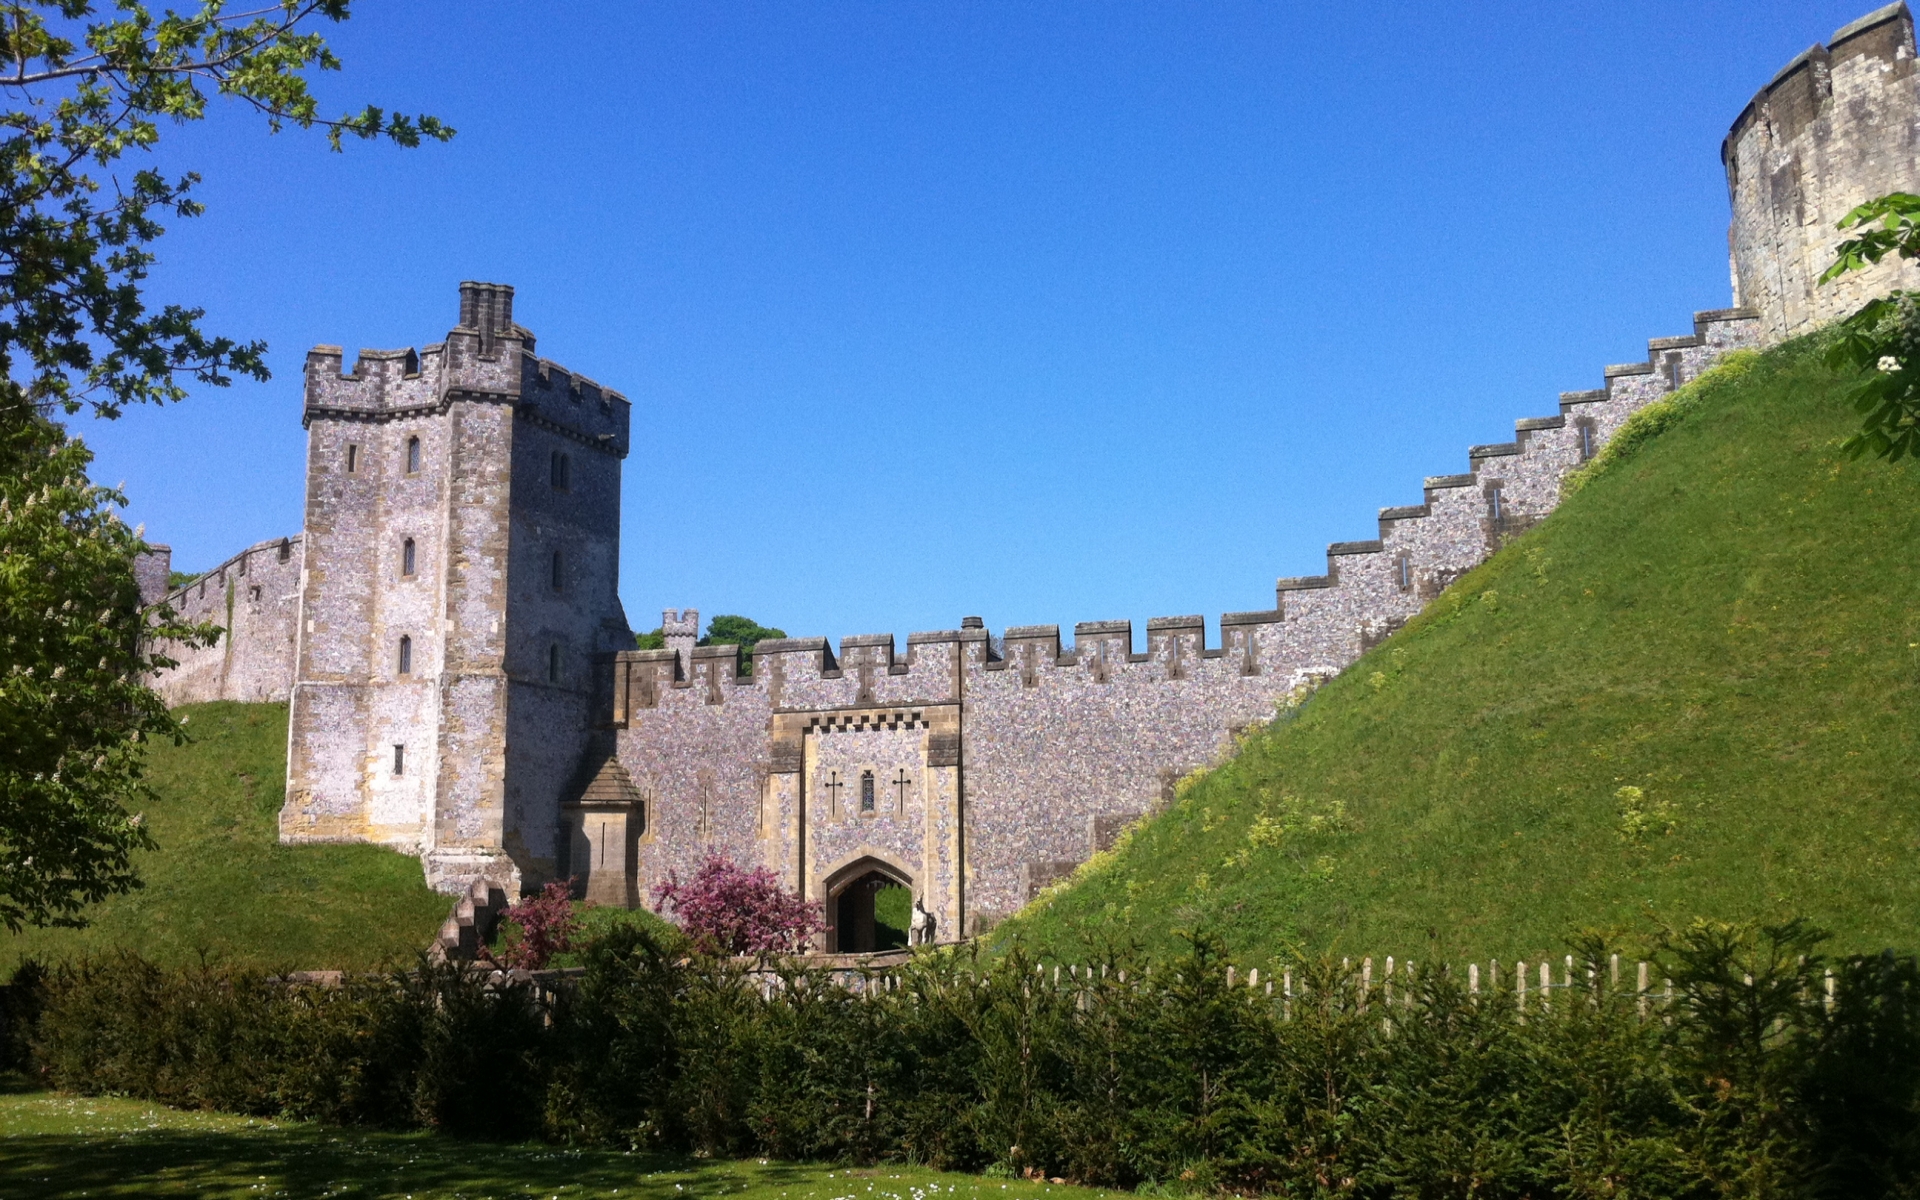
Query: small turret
[[682, 629]]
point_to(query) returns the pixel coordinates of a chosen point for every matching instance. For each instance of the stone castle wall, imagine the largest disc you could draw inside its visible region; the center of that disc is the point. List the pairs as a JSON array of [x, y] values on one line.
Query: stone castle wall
[[254, 597], [998, 768], [1838, 126]]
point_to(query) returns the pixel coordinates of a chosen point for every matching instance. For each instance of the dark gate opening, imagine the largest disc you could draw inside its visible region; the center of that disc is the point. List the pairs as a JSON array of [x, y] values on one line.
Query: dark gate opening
[[871, 914]]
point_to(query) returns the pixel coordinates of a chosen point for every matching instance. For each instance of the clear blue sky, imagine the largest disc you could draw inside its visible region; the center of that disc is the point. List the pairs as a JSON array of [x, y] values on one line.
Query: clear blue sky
[[1043, 312]]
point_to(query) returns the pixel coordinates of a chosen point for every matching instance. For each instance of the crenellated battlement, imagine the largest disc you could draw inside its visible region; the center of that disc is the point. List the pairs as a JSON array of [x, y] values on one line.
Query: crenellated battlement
[[1318, 622], [191, 597], [486, 358]]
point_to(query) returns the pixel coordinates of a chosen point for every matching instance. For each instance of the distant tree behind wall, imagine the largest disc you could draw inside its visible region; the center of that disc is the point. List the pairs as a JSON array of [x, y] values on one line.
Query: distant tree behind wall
[[725, 630]]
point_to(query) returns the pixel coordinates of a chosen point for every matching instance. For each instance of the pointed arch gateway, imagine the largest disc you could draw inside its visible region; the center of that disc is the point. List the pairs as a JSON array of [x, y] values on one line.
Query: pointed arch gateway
[[852, 893]]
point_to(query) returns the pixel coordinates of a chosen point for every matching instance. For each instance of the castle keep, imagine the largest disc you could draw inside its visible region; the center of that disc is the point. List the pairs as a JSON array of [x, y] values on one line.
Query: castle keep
[[460, 670]]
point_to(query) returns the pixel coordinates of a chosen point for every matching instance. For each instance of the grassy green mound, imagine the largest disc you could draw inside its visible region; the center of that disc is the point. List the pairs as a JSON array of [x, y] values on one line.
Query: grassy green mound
[[221, 882], [1690, 692]]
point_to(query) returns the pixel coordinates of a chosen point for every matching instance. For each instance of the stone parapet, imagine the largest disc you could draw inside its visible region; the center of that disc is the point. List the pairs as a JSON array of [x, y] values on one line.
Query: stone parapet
[[254, 597]]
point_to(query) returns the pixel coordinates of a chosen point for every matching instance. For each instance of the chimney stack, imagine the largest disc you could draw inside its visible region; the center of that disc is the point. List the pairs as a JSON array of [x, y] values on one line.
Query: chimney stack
[[486, 308]]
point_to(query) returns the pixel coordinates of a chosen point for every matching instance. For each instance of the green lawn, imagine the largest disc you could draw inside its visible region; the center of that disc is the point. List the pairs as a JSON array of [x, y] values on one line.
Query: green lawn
[[221, 882], [1728, 620], [55, 1145]]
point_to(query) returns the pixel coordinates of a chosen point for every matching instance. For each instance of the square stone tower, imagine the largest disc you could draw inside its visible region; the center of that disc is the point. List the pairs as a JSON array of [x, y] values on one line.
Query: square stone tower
[[462, 558]]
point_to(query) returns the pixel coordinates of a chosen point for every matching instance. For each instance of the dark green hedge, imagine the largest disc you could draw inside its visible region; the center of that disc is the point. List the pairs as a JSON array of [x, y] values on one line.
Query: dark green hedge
[[1747, 1084]]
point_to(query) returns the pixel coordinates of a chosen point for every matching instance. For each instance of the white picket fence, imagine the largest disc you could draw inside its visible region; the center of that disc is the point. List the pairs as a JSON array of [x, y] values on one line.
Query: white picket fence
[[1527, 983]]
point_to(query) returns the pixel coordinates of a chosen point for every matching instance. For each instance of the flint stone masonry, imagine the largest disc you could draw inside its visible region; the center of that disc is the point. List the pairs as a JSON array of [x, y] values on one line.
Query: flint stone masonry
[[254, 597], [525, 740]]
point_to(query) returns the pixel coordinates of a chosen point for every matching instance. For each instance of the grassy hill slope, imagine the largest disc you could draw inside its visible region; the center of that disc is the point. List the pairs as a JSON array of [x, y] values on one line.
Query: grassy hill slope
[[1724, 618], [221, 882]]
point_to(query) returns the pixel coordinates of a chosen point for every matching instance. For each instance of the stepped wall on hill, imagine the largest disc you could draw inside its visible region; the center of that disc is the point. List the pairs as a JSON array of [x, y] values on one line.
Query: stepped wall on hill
[[978, 770]]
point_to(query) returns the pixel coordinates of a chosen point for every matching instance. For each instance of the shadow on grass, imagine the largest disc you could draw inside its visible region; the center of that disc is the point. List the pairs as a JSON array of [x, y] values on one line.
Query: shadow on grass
[[318, 1162]]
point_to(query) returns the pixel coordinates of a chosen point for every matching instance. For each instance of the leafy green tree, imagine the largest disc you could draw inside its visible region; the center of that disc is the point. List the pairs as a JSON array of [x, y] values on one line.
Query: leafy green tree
[[87, 88], [744, 632], [1883, 337], [74, 711]]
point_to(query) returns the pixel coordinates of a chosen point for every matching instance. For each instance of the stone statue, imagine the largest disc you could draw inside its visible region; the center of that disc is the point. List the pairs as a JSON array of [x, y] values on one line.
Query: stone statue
[[920, 928]]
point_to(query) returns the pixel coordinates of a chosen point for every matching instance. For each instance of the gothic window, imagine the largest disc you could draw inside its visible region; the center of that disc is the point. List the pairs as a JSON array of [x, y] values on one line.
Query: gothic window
[[406, 558], [559, 578], [866, 792], [399, 760], [413, 455], [1403, 572], [353, 458], [406, 656], [286, 551], [561, 471], [553, 662], [1495, 508], [1586, 440]]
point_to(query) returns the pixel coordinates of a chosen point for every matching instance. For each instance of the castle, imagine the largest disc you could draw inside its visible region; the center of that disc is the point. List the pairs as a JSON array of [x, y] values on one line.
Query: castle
[[463, 684]]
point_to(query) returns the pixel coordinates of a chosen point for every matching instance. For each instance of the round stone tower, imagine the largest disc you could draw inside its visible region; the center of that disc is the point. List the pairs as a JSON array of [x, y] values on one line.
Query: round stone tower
[[1839, 125]]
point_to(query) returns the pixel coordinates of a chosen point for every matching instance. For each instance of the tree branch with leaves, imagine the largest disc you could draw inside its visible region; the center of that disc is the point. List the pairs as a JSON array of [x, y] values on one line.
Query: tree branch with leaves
[[1883, 337], [87, 91]]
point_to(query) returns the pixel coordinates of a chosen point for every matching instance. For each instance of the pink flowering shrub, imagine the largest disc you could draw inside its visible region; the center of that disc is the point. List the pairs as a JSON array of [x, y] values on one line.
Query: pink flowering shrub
[[727, 909], [547, 924]]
